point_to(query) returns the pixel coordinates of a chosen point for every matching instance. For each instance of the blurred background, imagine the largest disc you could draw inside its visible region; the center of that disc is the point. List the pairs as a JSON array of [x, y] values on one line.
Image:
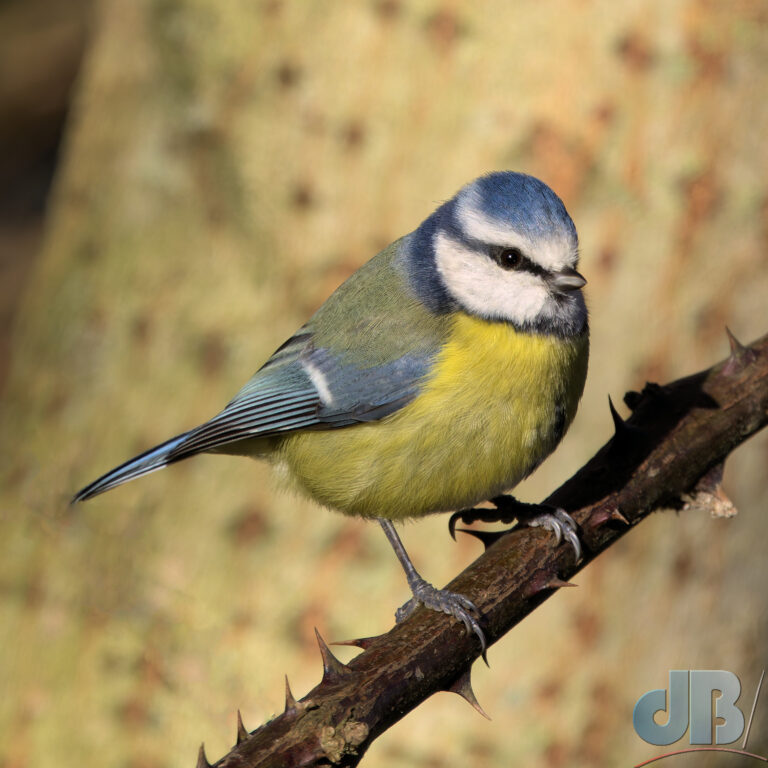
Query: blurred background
[[182, 182]]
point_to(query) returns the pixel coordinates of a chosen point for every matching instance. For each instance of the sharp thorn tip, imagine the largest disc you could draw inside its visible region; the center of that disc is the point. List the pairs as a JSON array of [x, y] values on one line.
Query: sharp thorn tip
[[740, 355], [556, 582], [333, 669], [358, 642], [242, 731], [202, 760], [736, 346], [619, 424], [463, 687], [291, 704], [607, 516], [616, 515]]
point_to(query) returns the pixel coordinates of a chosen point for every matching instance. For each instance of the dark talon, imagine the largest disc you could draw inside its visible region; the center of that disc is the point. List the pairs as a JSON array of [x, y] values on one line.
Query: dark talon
[[455, 517], [506, 512], [553, 519]]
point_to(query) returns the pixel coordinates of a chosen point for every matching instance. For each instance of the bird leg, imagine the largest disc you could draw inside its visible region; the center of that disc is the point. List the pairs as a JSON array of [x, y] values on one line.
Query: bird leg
[[509, 509], [440, 600]]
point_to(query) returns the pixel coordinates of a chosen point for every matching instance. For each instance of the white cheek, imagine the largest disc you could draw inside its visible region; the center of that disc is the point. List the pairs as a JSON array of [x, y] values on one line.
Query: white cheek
[[553, 253], [485, 289]]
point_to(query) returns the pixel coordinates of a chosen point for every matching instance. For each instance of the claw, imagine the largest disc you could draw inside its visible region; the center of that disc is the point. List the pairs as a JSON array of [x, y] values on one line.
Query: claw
[[553, 519], [560, 523], [405, 610], [443, 601], [454, 518], [505, 513]]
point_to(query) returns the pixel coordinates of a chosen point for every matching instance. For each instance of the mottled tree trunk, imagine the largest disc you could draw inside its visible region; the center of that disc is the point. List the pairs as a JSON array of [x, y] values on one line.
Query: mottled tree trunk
[[226, 165]]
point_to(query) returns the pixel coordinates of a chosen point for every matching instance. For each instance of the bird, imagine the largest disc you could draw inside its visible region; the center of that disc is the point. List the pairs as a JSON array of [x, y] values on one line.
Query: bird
[[437, 376]]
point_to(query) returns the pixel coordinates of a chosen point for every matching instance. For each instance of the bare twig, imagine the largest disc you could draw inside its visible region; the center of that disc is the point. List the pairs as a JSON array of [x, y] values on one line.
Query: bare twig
[[677, 436]]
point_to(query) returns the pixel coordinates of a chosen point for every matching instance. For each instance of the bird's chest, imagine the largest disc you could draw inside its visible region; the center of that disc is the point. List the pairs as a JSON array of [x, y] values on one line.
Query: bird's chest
[[493, 379], [493, 406]]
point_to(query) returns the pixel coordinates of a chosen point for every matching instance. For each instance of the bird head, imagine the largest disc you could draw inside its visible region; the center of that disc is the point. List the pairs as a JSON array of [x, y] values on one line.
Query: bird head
[[505, 249]]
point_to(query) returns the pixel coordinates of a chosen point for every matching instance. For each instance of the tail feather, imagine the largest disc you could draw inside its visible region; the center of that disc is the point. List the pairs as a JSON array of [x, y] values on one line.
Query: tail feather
[[149, 461]]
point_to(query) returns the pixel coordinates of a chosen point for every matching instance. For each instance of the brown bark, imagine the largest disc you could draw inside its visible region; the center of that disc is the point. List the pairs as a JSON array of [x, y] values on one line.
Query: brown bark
[[669, 453]]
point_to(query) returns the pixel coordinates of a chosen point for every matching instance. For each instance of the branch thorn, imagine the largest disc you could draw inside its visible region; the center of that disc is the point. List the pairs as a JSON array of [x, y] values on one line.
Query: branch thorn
[[541, 582], [604, 516], [615, 514], [358, 642], [740, 355], [202, 760], [295, 708], [291, 705], [463, 687], [242, 731], [333, 669], [556, 582], [737, 348], [619, 425]]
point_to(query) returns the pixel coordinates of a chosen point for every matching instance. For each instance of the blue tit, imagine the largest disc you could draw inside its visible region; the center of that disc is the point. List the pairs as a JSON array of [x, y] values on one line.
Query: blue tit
[[439, 375]]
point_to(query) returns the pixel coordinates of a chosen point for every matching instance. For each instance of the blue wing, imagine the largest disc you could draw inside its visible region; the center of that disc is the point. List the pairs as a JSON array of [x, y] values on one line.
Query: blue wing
[[298, 388], [301, 387], [343, 367]]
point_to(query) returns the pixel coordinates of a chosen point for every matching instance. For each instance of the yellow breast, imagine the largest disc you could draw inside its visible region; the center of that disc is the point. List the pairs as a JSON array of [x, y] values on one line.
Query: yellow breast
[[495, 404]]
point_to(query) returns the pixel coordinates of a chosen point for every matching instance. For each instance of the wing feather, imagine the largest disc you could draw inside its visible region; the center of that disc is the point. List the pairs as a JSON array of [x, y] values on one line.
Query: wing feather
[[372, 343]]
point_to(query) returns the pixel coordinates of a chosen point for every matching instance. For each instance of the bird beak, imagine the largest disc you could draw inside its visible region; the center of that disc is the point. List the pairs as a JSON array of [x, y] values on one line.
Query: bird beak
[[566, 280]]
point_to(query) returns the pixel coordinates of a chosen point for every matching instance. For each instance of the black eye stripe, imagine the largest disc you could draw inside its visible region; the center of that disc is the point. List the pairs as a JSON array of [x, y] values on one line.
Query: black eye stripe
[[522, 262]]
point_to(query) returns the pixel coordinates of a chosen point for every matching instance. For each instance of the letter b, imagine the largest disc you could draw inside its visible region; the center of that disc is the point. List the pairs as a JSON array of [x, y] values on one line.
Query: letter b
[[703, 683]]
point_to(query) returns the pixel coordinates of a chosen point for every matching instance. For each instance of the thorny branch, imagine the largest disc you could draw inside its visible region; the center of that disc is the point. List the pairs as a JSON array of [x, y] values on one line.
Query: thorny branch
[[669, 453]]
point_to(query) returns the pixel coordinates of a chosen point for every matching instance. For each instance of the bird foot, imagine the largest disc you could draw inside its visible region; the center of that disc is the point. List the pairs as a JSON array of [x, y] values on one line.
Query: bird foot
[[559, 522], [443, 601], [553, 519]]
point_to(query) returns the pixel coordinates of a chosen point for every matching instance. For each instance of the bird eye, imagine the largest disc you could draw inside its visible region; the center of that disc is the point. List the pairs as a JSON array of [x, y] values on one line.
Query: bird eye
[[510, 258]]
